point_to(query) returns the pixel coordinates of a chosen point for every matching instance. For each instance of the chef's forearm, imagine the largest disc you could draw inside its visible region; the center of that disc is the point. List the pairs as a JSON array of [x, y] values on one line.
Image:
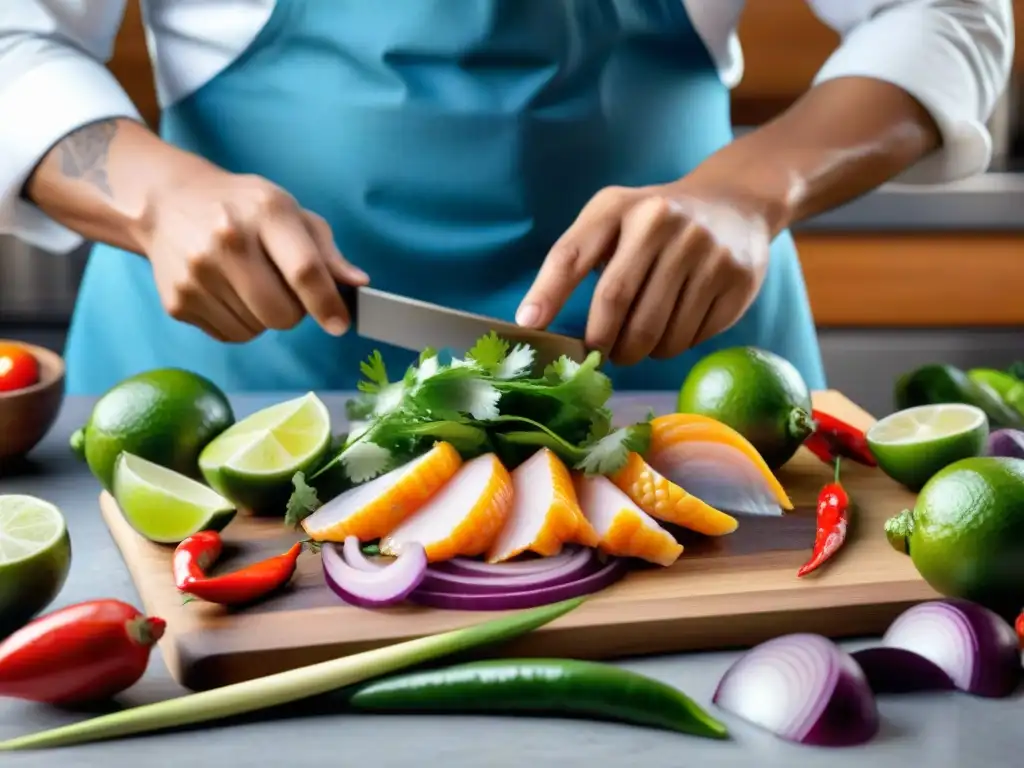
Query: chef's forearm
[[842, 139], [99, 179]]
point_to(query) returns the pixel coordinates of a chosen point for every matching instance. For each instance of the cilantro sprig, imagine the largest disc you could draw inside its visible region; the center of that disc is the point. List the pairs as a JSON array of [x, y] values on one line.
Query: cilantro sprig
[[490, 400]]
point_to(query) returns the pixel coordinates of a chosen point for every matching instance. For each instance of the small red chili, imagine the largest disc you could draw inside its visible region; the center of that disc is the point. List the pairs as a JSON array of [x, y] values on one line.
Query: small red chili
[[832, 522], [833, 438], [1019, 626], [200, 551], [83, 653]]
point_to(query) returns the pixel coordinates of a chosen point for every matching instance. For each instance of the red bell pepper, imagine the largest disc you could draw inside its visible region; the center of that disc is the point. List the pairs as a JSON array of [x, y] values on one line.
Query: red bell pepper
[[83, 653]]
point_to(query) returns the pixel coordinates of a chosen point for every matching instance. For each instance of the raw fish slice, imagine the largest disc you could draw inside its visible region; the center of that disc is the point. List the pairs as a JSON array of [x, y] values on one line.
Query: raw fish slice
[[374, 509], [715, 463], [623, 528], [545, 513], [664, 500], [463, 518]]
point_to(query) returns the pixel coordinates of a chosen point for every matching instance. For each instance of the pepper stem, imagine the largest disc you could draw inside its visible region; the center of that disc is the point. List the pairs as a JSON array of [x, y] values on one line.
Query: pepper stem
[[898, 530], [835, 476], [800, 425], [145, 630]]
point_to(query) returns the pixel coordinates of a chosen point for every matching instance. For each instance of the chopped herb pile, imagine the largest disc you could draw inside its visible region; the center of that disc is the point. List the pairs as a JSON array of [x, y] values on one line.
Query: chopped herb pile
[[491, 400]]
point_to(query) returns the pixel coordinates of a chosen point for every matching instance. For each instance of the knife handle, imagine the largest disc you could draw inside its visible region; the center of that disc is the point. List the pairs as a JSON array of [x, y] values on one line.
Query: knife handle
[[350, 295]]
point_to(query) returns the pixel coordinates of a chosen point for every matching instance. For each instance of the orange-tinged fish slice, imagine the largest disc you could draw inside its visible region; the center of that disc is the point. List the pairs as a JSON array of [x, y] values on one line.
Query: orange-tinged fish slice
[[623, 528], [374, 509], [463, 518], [664, 500], [715, 463], [545, 514]]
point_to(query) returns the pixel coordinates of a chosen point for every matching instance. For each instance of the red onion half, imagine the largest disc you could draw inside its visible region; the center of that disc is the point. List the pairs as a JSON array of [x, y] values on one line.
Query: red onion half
[[1006, 442], [945, 644], [376, 588], [802, 688]]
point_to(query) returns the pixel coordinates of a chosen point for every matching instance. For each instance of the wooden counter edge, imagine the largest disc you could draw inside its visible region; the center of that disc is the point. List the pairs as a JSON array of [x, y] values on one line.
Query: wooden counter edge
[[894, 280]]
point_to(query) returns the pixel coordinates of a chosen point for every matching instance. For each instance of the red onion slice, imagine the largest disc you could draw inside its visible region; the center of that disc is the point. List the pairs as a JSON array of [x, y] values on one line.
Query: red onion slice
[[582, 563], [353, 553], [975, 648], [534, 565], [802, 688], [374, 589], [526, 598]]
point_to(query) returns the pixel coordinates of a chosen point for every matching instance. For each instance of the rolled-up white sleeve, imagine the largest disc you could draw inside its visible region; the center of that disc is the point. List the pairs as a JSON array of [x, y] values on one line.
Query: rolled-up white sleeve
[[953, 56], [53, 80]]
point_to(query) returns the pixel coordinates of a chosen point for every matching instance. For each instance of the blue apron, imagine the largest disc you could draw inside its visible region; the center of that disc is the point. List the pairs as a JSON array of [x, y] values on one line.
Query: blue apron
[[449, 143]]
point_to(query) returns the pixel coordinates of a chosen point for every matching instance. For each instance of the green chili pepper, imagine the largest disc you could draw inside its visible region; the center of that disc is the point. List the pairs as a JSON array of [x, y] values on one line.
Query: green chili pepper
[[544, 687]]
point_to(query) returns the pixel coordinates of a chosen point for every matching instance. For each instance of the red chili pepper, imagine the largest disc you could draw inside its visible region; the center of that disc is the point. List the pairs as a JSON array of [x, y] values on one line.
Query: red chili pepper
[[1019, 626], [832, 520], [201, 550], [83, 653], [835, 438]]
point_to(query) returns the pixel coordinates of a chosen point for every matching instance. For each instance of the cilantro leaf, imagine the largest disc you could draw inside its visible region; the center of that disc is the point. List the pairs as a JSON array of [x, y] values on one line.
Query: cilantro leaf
[[451, 392], [489, 352], [562, 369], [302, 503], [518, 363], [608, 455], [364, 460], [375, 373]]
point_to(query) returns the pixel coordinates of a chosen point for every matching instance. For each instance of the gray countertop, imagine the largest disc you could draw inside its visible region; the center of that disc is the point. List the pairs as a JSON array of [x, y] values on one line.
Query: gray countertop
[[935, 730], [990, 202]]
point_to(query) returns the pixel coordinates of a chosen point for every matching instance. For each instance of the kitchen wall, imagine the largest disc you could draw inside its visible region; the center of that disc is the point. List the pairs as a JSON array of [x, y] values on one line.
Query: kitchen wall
[[895, 281]]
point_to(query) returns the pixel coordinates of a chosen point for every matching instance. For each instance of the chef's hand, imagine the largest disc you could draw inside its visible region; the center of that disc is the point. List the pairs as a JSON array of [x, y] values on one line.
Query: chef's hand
[[681, 263], [236, 255]]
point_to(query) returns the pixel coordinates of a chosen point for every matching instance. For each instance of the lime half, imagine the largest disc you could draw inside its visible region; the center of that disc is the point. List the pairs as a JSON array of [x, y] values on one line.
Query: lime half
[[913, 444], [35, 557], [164, 505], [252, 463]]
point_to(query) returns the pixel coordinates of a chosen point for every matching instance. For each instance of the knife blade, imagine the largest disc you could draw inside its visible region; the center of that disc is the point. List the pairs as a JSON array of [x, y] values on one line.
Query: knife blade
[[414, 325]]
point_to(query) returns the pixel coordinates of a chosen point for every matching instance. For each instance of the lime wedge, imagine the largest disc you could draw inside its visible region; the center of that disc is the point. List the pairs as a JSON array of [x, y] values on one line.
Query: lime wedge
[[913, 444], [35, 557], [163, 505], [252, 462]]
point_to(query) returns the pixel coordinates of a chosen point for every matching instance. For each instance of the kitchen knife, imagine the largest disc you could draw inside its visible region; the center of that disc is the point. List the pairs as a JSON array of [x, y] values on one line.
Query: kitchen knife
[[413, 324]]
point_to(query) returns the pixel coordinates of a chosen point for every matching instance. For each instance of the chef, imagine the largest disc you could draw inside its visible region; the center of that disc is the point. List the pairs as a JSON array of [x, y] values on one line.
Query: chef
[[568, 164]]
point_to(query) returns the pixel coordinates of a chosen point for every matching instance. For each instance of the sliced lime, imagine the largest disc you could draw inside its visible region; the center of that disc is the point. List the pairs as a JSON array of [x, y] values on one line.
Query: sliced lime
[[164, 505], [252, 462], [35, 557], [913, 444]]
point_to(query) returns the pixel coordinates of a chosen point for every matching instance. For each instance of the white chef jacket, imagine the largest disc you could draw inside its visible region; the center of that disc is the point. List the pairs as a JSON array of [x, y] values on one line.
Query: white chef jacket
[[953, 56]]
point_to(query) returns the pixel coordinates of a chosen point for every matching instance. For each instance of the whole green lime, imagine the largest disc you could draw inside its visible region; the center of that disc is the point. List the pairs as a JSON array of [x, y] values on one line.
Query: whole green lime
[[758, 393], [166, 416], [965, 534]]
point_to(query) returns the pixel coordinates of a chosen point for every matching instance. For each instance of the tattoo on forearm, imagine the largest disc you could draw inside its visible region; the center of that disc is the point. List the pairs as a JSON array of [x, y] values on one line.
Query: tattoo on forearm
[[83, 154]]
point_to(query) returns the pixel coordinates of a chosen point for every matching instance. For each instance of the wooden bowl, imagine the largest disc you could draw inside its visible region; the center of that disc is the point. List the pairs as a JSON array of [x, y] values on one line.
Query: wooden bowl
[[26, 415]]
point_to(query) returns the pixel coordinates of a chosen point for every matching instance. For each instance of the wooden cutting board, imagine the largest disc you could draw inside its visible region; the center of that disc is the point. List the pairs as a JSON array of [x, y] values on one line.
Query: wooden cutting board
[[733, 591]]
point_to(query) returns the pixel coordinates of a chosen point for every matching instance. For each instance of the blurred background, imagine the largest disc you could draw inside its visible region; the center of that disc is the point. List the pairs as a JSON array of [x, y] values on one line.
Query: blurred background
[[899, 278]]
